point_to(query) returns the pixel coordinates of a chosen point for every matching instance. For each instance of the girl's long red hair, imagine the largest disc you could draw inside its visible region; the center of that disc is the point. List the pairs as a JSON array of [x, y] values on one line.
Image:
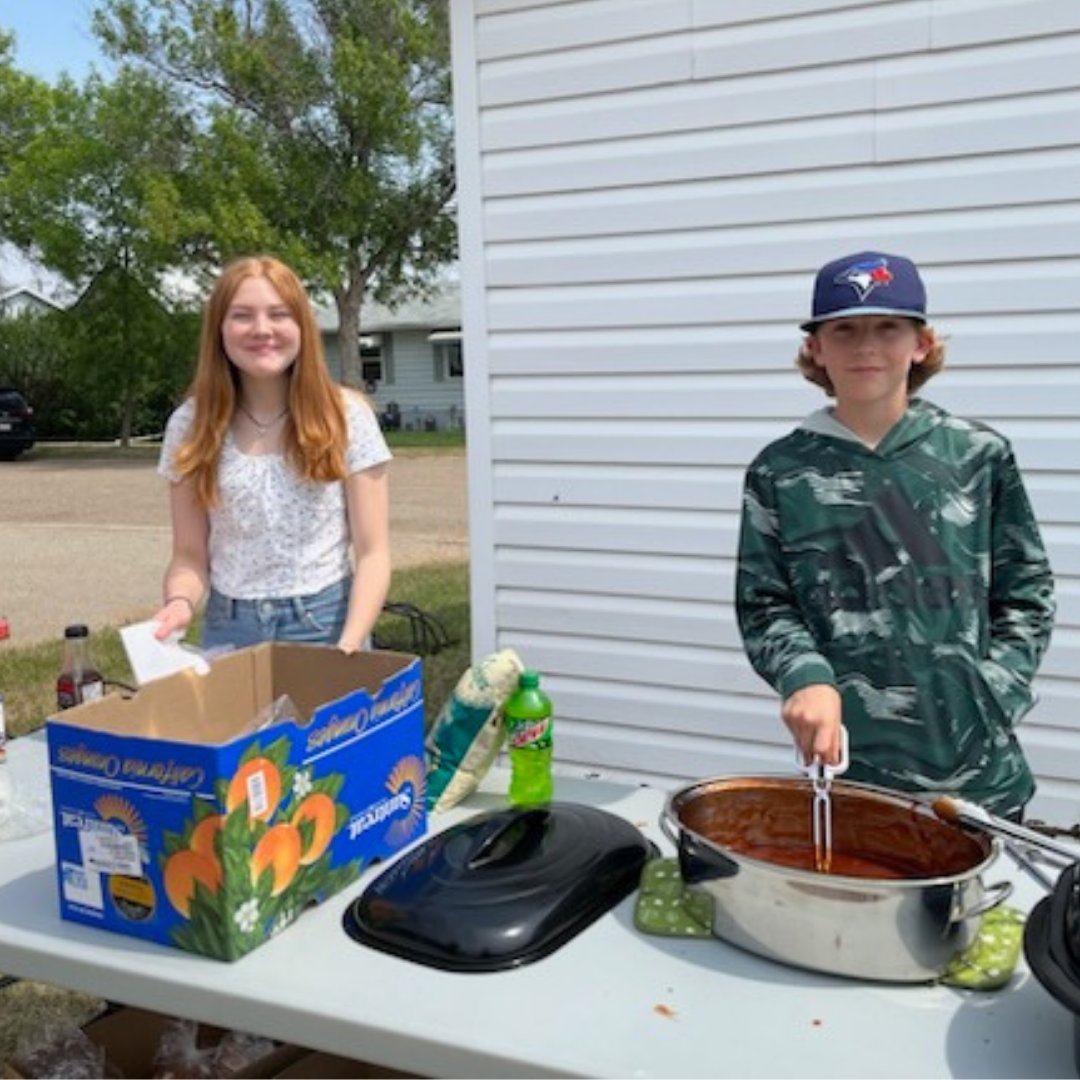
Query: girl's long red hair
[[315, 433]]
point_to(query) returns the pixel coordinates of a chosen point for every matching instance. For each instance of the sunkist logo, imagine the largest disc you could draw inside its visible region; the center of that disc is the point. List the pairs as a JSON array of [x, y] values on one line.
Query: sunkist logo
[[403, 807], [117, 808]]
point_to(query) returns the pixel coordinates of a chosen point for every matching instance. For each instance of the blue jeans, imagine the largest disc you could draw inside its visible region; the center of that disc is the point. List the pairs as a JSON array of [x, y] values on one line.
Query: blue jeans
[[317, 618]]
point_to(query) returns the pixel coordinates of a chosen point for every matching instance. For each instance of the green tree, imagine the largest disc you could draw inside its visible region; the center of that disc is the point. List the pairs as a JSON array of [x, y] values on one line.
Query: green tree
[[98, 186], [24, 106], [56, 359], [34, 353], [96, 192], [325, 135], [131, 356]]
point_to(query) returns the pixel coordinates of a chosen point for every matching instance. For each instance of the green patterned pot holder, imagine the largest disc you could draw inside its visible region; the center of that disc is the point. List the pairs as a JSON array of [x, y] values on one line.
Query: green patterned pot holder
[[989, 961], [666, 906]]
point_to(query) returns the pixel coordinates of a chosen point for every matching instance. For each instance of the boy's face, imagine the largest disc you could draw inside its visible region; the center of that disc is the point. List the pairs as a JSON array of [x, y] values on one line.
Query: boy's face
[[868, 357]]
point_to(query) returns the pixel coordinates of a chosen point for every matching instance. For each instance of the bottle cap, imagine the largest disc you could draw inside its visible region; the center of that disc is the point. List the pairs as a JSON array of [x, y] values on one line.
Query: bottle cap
[[529, 679], [78, 630]]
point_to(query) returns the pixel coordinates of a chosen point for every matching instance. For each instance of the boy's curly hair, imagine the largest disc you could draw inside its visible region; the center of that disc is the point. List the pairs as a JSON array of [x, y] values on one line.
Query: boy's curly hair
[[919, 374]]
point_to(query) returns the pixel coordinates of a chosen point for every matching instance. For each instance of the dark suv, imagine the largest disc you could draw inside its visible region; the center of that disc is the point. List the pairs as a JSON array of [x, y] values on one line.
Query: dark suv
[[16, 423]]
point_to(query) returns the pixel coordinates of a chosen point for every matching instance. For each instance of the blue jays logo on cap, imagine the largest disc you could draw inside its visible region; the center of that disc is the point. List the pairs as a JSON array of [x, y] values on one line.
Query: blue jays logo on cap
[[868, 283], [864, 277]]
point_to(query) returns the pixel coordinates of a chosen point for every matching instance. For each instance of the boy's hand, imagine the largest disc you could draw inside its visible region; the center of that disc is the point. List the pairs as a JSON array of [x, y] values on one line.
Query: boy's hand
[[813, 716]]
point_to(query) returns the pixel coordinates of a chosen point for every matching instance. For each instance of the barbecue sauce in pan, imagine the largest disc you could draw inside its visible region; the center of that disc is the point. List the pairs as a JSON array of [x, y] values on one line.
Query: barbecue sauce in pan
[[770, 820], [843, 863]]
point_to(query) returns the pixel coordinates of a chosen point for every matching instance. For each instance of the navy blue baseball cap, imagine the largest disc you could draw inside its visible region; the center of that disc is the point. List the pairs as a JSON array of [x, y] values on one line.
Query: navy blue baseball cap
[[869, 283]]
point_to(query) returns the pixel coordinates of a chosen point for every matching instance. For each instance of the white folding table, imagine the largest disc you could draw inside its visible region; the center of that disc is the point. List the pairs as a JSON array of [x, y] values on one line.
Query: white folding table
[[611, 1002]]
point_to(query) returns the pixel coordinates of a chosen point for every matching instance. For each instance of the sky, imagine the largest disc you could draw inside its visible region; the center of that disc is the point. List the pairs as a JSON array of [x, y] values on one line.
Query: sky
[[52, 36]]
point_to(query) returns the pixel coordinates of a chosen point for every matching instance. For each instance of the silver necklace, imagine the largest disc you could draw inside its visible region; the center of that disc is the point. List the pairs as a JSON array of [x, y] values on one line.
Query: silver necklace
[[262, 426]]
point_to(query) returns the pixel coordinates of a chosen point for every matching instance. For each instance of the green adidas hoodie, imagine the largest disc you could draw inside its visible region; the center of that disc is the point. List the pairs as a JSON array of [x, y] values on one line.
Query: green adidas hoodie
[[913, 578]]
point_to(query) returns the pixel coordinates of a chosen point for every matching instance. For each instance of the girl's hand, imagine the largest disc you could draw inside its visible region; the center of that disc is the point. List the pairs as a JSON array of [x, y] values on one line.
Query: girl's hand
[[813, 715], [174, 617]]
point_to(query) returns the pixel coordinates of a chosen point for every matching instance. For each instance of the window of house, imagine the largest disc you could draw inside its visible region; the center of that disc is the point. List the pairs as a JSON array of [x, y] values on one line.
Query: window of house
[[455, 362], [376, 361], [371, 362], [449, 357]]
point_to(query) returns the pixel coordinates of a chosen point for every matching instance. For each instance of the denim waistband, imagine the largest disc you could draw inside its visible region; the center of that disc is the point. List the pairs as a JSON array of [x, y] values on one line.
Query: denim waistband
[[233, 605], [296, 604]]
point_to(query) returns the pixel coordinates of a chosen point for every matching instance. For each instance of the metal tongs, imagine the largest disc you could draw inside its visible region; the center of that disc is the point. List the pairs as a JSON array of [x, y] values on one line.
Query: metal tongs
[[821, 777], [1026, 847]]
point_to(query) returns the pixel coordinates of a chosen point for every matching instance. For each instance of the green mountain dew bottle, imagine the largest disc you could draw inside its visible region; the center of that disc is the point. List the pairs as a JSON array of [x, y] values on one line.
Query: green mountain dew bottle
[[527, 714]]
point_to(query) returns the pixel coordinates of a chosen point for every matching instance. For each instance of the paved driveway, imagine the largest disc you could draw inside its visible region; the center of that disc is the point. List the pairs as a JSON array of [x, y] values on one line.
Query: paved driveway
[[87, 540]]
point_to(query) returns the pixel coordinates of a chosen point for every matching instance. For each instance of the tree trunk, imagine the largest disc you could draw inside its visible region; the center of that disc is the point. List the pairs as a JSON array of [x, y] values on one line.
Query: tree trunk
[[128, 410], [349, 298], [128, 405]]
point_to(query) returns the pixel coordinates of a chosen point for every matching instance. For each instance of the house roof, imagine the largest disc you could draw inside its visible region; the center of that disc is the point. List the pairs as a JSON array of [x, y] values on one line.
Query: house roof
[[440, 311], [26, 292]]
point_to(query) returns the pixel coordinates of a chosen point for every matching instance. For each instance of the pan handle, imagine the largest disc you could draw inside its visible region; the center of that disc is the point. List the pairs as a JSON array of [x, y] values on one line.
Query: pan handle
[[699, 859], [667, 826], [992, 896]]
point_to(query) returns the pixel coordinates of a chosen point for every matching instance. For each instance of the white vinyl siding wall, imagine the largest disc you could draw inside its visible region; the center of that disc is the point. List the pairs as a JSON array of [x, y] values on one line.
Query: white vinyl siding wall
[[646, 188]]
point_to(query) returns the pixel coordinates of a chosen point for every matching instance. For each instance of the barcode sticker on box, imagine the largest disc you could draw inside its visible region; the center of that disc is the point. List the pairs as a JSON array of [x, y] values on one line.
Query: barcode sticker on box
[[258, 800], [110, 852], [81, 886]]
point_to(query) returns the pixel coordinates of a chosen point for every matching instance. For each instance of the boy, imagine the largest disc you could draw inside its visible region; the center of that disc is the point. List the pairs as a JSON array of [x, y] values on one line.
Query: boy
[[891, 574]]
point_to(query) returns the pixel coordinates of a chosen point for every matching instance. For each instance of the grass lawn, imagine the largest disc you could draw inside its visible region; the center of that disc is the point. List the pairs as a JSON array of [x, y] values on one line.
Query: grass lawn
[[28, 675]]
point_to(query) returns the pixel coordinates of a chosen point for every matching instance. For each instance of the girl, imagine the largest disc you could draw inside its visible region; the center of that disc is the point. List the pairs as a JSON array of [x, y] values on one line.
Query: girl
[[275, 472]]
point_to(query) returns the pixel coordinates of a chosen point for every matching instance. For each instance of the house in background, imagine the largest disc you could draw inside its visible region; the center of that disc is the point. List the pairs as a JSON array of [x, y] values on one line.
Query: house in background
[[412, 360], [23, 300]]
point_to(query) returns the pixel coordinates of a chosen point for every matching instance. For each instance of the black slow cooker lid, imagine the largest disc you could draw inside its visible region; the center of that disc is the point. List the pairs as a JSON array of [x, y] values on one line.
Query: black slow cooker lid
[[1052, 939], [501, 889], [1054, 979], [1065, 919]]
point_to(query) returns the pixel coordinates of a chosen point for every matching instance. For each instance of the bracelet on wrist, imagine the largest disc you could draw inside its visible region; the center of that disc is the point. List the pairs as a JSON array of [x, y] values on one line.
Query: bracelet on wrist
[[183, 599]]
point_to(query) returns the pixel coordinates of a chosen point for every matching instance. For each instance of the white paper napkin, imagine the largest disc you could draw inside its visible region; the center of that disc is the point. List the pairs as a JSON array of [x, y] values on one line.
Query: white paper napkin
[[153, 659]]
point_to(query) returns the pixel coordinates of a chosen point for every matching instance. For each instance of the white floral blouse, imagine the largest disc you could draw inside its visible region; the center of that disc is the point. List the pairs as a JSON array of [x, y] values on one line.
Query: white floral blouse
[[272, 534]]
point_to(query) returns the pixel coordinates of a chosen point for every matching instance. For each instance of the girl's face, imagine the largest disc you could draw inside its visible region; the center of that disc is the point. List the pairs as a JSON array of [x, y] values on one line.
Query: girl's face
[[259, 333], [868, 357]]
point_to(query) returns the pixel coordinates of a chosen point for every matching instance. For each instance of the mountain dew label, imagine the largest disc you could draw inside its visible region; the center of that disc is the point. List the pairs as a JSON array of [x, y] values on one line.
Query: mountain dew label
[[529, 734]]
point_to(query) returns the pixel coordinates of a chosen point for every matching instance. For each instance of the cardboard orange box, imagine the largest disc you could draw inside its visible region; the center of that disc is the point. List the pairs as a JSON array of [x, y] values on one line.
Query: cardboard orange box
[[179, 819], [315, 1065], [131, 1037]]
